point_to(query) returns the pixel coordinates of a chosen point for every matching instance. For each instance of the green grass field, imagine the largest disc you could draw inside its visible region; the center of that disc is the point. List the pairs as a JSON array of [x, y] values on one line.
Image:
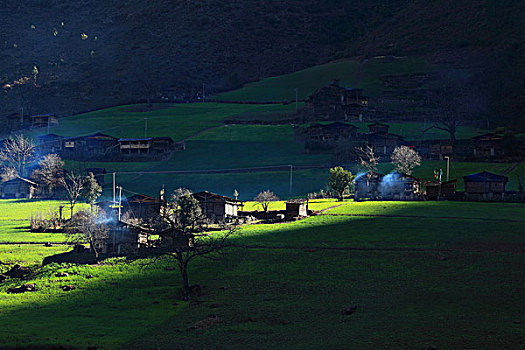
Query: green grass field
[[439, 280], [281, 88]]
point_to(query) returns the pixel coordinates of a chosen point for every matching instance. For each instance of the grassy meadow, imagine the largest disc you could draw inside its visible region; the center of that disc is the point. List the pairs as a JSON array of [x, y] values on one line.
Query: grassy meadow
[[438, 280]]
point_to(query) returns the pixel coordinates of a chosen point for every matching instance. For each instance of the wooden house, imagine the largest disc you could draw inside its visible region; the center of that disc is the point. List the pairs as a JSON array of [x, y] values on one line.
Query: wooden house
[[43, 120], [383, 143], [145, 146], [94, 146], [141, 206], [50, 143], [440, 149], [368, 185], [335, 102], [332, 132], [217, 207], [122, 238], [378, 128], [485, 186], [437, 190], [18, 187], [398, 186], [296, 208], [488, 146]]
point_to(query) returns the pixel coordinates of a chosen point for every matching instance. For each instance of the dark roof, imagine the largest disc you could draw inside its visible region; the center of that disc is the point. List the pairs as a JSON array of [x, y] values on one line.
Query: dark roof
[[206, 194], [436, 183], [385, 135], [296, 201], [488, 137], [360, 177], [43, 115], [99, 134], [18, 179], [50, 136], [136, 139], [485, 176], [142, 198]]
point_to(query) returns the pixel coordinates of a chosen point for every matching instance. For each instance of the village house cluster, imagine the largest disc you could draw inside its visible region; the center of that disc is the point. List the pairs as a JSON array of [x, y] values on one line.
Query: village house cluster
[[104, 147]]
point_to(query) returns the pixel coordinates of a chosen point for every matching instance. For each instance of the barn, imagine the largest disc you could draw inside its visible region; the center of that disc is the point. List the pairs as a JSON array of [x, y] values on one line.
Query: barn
[[217, 207]]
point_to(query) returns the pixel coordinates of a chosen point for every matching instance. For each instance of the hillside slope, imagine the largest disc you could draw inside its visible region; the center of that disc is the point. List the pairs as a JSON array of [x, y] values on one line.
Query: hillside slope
[[91, 54]]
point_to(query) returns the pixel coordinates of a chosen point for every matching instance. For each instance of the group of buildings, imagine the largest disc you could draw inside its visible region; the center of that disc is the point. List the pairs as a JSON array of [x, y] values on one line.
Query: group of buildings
[[486, 147], [104, 147]]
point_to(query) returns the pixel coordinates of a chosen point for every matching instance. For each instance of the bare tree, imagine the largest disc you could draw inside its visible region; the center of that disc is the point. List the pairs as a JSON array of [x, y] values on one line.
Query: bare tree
[[49, 174], [455, 102], [17, 152], [264, 198], [181, 227], [85, 227], [405, 159], [74, 185], [367, 158]]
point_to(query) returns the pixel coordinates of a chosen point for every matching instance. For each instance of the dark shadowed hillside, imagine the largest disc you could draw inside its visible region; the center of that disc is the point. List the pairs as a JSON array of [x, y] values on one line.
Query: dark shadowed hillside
[[69, 56], [97, 53]]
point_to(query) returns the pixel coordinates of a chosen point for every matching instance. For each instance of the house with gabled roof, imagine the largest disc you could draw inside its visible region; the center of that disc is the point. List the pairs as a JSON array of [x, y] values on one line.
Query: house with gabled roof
[[485, 186], [217, 207]]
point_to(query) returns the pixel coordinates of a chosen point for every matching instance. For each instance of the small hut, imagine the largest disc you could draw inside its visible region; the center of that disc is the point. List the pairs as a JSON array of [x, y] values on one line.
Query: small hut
[[18, 187], [296, 208], [485, 186], [368, 185], [398, 186], [441, 190], [217, 207], [141, 206]]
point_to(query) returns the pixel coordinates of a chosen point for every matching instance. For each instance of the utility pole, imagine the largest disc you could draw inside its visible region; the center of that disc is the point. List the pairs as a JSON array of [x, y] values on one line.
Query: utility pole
[[448, 165], [203, 96], [291, 178], [119, 201], [114, 175], [145, 127], [296, 100]]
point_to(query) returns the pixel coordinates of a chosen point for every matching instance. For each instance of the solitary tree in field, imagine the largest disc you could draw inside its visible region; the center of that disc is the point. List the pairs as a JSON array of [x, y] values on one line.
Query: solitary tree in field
[[339, 181], [50, 171], [181, 226], [405, 159], [264, 198], [74, 185], [85, 227], [92, 190], [17, 152]]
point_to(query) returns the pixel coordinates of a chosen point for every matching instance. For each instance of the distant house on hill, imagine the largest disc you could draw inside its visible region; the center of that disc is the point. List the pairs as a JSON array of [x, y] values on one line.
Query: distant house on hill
[[335, 102], [485, 186], [92, 146], [384, 143], [378, 128], [488, 146], [50, 143], [18, 187], [43, 120], [332, 132], [217, 207], [155, 146]]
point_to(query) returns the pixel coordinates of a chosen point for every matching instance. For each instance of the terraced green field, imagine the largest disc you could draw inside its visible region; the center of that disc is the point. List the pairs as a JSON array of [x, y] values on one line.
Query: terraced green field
[[438, 280]]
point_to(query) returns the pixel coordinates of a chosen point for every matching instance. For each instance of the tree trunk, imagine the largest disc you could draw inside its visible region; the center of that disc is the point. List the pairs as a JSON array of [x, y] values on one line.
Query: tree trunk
[[185, 283]]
